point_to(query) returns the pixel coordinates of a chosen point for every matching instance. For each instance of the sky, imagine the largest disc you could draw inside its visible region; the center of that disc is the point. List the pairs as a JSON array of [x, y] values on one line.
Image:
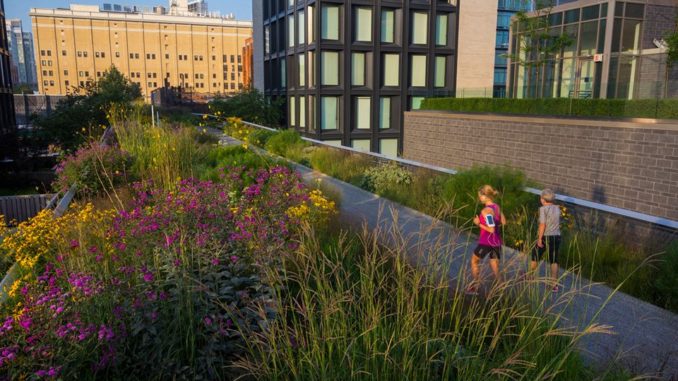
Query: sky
[[19, 8]]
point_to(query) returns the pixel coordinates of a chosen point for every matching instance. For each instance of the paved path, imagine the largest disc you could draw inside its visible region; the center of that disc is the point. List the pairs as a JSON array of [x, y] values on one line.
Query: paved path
[[644, 338]]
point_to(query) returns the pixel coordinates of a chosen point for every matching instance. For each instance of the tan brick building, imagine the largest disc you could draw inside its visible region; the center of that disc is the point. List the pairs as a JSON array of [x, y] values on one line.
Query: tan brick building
[[75, 46]]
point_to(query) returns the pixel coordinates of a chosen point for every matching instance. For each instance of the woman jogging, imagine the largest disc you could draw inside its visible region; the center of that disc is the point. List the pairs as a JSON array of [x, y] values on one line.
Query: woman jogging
[[548, 239], [489, 242]]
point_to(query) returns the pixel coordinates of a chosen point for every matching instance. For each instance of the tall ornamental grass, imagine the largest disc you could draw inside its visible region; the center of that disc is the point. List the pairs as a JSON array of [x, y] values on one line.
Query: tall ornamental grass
[[164, 154], [351, 309]]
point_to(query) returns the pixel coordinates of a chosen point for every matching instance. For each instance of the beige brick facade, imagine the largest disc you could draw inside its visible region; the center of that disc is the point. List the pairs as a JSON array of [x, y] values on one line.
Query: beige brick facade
[[631, 165], [201, 54]]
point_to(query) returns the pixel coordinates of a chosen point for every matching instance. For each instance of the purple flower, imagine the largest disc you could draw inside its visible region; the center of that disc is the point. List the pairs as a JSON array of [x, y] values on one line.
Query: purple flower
[[215, 261], [148, 277], [234, 259], [25, 322], [75, 244]]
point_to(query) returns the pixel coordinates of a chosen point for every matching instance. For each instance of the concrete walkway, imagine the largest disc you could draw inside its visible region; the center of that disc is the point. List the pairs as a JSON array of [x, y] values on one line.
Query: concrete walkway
[[644, 337]]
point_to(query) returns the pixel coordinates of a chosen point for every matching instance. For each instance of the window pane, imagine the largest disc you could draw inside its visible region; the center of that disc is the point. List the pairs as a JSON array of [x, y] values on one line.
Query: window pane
[[302, 70], [309, 23], [310, 64], [311, 112], [330, 22], [329, 113], [589, 31], [290, 29], [572, 16], [330, 68], [590, 13], [293, 111], [391, 69], [363, 112], [363, 24], [361, 144], [419, 27], [441, 30], [635, 10], [418, 71], [283, 74], [302, 111], [388, 147], [385, 113], [441, 63], [416, 103], [301, 22], [358, 69], [387, 26], [630, 35]]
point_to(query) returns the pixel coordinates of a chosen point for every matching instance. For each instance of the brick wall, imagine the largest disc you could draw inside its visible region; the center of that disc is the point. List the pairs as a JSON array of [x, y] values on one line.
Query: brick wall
[[632, 165], [659, 20]]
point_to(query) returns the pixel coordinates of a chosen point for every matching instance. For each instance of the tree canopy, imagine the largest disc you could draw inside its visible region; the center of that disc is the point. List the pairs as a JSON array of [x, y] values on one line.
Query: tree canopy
[[250, 105], [82, 114]]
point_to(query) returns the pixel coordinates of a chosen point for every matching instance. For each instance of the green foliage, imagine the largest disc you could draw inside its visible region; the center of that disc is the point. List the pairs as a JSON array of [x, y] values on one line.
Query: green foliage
[[287, 144], [381, 178], [163, 155], [234, 156], [598, 108], [95, 169], [343, 165], [665, 279], [462, 190], [82, 115], [250, 105], [672, 41], [260, 137]]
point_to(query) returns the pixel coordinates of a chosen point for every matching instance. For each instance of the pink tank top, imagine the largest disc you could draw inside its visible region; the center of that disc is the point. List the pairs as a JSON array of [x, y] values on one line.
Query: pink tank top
[[491, 239]]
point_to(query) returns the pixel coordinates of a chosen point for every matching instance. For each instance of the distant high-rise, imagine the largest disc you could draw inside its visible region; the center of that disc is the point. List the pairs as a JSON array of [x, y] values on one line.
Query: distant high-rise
[[7, 122], [201, 53], [349, 69], [22, 54]]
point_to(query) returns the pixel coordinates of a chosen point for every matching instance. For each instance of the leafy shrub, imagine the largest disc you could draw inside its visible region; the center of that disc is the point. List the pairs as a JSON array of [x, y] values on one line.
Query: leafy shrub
[[287, 144], [156, 291], [462, 190], [234, 156], [95, 169], [343, 165], [381, 178], [605, 108], [259, 137]]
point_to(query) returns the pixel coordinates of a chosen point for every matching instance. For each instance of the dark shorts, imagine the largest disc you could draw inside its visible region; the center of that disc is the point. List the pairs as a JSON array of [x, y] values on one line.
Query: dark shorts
[[551, 246], [481, 251]]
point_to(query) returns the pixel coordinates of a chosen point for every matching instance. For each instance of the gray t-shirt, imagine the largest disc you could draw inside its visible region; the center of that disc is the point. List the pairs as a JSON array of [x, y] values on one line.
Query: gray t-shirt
[[550, 216]]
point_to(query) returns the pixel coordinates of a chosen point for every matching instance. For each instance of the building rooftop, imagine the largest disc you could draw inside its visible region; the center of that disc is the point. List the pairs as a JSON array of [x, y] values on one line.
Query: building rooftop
[[177, 12]]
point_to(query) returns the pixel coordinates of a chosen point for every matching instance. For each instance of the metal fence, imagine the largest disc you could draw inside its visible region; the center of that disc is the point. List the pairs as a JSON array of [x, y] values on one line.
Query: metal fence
[[594, 206], [26, 105], [17, 209]]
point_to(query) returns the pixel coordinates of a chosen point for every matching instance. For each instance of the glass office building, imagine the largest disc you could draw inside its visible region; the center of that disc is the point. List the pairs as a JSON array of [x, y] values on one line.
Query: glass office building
[[349, 69], [613, 50], [506, 9], [7, 122]]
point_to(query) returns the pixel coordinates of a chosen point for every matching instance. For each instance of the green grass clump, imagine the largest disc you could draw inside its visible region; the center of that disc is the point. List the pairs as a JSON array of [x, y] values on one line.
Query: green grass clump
[[221, 158], [287, 144], [346, 166]]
